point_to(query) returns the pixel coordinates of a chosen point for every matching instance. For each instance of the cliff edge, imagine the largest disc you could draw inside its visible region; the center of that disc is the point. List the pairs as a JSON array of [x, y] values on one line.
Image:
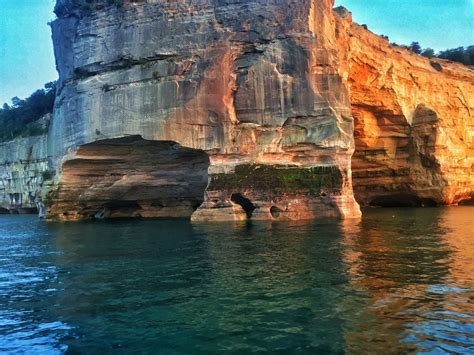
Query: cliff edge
[[414, 122]]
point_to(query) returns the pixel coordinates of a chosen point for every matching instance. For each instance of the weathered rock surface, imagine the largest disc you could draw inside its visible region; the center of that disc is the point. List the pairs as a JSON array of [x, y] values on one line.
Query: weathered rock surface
[[253, 83], [414, 122], [130, 177], [23, 167], [247, 110]]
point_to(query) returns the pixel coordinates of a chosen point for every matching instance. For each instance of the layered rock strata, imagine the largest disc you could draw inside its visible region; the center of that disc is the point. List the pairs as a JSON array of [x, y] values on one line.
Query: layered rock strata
[[260, 95], [414, 122], [130, 177], [254, 84]]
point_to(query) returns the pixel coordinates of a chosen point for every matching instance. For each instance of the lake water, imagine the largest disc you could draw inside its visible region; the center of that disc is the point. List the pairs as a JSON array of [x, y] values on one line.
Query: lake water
[[400, 280]]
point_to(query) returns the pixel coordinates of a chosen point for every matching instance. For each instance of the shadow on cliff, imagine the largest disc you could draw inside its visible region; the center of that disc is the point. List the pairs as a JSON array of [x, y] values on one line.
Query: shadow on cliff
[[395, 162]]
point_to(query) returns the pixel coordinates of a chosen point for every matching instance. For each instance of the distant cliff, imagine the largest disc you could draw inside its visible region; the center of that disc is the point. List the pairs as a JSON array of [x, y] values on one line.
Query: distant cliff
[[248, 109], [23, 167]]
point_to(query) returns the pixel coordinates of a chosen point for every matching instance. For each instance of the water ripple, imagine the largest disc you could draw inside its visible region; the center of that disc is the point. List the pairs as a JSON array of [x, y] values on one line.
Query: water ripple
[[398, 281]]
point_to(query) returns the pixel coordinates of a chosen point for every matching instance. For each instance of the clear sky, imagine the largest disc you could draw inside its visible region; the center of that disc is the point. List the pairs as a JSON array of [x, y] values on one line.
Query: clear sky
[[438, 24], [26, 51], [27, 60]]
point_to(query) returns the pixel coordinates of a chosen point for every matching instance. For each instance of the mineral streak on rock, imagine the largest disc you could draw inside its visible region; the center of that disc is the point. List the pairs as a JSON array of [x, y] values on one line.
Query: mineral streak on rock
[[254, 83], [414, 121], [270, 91]]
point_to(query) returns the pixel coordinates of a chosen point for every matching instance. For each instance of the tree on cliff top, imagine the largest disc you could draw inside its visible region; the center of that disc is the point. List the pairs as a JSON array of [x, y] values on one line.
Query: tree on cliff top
[[464, 55], [428, 53], [460, 54], [20, 119], [415, 47]]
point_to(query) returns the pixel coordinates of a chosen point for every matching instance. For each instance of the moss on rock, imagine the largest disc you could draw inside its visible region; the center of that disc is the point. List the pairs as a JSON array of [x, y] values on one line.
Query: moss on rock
[[279, 178]]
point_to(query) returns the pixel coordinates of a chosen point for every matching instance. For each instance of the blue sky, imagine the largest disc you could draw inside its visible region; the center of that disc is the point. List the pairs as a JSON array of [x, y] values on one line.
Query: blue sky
[[438, 24], [26, 52]]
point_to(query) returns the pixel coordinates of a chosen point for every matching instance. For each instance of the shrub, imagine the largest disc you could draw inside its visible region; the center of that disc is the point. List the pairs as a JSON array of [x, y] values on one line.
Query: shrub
[[428, 53], [464, 55], [436, 65], [460, 54], [415, 47]]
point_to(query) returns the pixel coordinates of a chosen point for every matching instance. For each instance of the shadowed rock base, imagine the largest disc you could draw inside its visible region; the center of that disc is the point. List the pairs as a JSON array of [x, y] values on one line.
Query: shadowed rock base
[[273, 192], [130, 178]]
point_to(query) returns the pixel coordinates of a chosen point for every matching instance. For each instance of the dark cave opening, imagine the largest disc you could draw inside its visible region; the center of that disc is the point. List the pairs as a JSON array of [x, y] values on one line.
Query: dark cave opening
[[114, 209], [246, 204], [402, 200], [275, 212], [468, 202]]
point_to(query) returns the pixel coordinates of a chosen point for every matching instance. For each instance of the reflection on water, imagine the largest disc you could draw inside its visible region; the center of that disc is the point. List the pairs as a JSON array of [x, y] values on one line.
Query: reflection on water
[[406, 265], [400, 280]]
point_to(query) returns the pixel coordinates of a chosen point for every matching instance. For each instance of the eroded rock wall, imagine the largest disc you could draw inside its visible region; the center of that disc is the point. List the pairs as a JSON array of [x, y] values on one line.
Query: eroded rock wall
[[253, 83], [130, 177], [270, 91], [414, 122]]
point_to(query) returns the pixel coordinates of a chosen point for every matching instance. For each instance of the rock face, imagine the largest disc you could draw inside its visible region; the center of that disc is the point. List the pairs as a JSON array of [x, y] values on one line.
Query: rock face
[[247, 109], [253, 83], [414, 122], [23, 167]]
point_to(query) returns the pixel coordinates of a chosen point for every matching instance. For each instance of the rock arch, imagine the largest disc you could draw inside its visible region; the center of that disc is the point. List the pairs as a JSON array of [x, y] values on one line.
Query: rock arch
[[130, 177]]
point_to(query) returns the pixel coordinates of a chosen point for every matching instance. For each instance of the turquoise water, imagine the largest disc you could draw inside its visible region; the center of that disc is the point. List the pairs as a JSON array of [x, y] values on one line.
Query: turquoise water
[[401, 280]]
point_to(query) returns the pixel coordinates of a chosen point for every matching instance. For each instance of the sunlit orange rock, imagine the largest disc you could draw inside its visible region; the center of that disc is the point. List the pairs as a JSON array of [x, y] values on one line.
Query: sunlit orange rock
[[414, 121]]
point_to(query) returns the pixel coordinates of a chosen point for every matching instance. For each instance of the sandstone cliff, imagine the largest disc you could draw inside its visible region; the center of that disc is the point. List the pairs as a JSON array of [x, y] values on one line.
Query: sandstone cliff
[[414, 122], [254, 84], [247, 109]]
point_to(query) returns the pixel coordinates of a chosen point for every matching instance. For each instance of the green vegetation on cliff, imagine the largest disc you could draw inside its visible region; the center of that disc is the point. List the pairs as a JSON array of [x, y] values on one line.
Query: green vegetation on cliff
[[284, 178], [461, 55], [464, 55], [22, 117]]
